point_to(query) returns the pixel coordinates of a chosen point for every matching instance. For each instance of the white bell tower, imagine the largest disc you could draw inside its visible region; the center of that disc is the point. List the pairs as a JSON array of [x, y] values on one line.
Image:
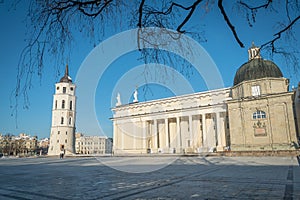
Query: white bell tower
[[62, 135]]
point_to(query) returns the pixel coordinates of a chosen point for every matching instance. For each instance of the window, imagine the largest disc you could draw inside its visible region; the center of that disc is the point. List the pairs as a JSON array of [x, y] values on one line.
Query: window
[[57, 141], [70, 121], [70, 105], [55, 104], [57, 88], [66, 141], [259, 115], [62, 120], [64, 90], [63, 104], [71, 88], [66, 132], [58, 132], [255, 90]]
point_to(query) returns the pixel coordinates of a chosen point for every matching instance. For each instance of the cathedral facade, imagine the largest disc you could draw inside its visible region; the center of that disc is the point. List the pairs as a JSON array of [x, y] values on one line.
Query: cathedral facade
[[258, 113]]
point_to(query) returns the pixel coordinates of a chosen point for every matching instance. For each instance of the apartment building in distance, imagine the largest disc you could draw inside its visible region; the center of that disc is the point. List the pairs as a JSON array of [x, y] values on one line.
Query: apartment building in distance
[[92, 144]]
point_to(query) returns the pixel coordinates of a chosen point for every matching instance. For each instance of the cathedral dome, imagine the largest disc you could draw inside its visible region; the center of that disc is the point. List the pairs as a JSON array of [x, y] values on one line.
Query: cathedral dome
[[66, 78], [256, 68]]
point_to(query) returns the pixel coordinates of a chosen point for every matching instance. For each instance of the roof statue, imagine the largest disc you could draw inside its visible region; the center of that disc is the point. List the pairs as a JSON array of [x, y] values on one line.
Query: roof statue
[[135, 96], [118, 100]]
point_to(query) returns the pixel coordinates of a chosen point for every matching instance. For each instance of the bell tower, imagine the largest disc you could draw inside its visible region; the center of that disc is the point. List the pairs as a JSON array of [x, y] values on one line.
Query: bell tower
[[62, 135]]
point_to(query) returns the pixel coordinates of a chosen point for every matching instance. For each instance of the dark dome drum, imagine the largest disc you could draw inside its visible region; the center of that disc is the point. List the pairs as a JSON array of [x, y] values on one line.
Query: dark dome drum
[[256, 69]]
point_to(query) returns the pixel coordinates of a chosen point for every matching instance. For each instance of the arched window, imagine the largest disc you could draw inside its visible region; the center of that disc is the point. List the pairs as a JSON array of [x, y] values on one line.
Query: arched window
[[259, 115], [62, 120], [70, 120], [63, 104], [71, 105]]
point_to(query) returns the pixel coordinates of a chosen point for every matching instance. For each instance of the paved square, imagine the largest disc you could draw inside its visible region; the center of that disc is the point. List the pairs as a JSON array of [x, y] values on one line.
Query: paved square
[[182, 178]]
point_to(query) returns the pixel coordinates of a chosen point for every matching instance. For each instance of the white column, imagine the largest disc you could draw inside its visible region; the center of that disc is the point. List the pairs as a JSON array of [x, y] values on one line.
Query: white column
[[134, 134], [155, 134], [178, 137], [122, 139], [204, 131], [116, 139], [221, 125], [223, 131], [167, 133], [219, 139], [144, 135], [191, 131]]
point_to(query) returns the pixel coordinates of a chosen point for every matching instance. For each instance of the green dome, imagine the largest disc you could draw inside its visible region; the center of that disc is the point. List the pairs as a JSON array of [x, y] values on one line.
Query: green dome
[[256, 69]]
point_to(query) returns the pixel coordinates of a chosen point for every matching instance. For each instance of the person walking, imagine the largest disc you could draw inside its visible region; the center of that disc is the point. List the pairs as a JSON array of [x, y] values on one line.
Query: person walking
[[62, 153]]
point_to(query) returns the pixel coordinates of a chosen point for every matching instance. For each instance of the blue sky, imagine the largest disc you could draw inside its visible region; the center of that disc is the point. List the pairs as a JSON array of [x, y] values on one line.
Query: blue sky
[[36, 120]]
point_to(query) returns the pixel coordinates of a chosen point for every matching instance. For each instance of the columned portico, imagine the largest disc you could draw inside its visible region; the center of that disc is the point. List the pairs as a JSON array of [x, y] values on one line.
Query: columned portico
[[193, 129]]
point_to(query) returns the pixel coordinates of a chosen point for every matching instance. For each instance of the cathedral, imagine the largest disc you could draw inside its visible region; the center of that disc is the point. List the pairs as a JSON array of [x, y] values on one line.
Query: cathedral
[[258, 113]]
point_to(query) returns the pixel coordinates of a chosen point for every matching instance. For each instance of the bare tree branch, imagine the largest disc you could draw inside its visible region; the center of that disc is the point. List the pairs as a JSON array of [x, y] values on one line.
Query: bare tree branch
[[266, 5], [192, 9], [232, 28], [277, 35], [168, 11], [55, 23], [141, 13]]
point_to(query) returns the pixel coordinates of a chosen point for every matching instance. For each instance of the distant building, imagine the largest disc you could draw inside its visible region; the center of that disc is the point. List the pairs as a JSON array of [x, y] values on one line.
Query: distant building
[[93, 144], [22, 145], [62, 134], [43, 146]]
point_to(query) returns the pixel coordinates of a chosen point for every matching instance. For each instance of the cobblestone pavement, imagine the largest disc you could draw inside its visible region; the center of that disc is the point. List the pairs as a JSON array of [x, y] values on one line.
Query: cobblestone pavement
[[184, 178]]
